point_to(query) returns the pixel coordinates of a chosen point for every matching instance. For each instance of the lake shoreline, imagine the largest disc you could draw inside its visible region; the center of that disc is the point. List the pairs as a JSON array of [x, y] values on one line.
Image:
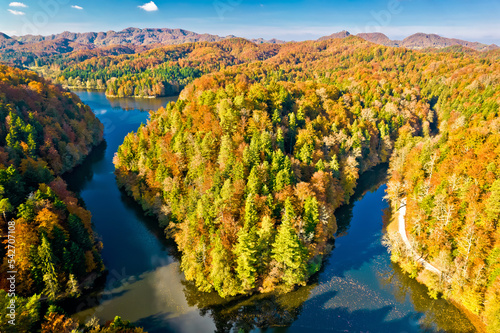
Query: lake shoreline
[[393, 227], [103, 90]]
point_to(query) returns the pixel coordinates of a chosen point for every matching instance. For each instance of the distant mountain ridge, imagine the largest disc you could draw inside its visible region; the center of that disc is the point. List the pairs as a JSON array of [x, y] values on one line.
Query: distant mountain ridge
[[30, 46], [134, 36], [129, 36], [416, 41], [24, 49]]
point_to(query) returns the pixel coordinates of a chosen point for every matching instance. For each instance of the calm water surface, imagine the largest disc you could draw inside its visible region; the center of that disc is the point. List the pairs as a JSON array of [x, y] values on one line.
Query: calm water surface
[[358, 289]]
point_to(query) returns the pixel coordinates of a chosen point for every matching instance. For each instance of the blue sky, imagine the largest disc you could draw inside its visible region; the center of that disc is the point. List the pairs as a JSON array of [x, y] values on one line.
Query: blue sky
[[474, 20]]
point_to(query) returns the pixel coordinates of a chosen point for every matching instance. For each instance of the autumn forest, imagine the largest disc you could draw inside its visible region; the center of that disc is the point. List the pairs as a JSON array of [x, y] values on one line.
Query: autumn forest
[[247, 169]]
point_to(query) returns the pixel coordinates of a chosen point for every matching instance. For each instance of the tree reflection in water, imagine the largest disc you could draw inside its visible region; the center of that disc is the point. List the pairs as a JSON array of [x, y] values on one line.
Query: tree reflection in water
[[248, 313]]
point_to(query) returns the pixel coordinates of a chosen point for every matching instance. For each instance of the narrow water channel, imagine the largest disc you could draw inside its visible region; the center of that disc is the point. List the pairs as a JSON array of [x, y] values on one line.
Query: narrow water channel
[[358, 289]]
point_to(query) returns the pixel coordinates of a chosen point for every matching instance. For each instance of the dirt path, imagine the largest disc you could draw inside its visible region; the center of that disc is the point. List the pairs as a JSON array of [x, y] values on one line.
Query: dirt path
[[402, 232]]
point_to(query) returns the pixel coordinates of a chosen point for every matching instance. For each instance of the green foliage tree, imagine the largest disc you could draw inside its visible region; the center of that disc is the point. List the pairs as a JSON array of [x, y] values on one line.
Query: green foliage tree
[[48, 268], [288, 251], [27, 313], [311, 214]]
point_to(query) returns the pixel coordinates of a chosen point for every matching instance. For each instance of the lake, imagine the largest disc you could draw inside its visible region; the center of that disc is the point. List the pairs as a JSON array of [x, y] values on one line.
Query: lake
[[357, 290]]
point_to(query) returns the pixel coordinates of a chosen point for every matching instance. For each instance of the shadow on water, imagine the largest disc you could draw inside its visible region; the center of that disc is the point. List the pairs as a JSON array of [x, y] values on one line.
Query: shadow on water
[[151, 224], [437, 315], [369, 181], [358, 244], [83, 173], [249, 313]]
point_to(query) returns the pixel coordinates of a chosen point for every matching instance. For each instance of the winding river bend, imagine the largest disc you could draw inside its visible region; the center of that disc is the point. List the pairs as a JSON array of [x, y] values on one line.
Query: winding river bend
[[358, 289]]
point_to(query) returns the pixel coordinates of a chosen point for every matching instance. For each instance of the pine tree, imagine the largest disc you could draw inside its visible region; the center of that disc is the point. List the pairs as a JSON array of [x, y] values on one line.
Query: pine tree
[[72, 287], [67, 259], [228, 116], [246, 248], [222, 277], [266, 144], [334, 165], [47, 262], [253, 184], [59, 241], [292, 122], [493, 202], [246, 257], [288, 251], [266, 234], [77, 266], [277, 161], [78, 233], [280, 140], [305, 154], [31, 135], [320, 165], [311, 214], [251, 214], [226, 155], [251, 153], [5, 207], [276, 117]]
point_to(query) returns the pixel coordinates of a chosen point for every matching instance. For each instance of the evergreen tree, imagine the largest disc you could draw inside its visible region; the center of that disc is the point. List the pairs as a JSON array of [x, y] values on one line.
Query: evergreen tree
[[222, 277], [311, 214], [77, 266], [251, 153], [335, 167], [78, 233], [59, 241], [226, 156], [288, 251], [48, 268], [305, 154], [251, 214], [266, 144], [280, 140], [493, 203], [253, 184], [246, 257], [320, 165], [266, 235], [72, 287], [276, 117], [246, 247], [5, 207]]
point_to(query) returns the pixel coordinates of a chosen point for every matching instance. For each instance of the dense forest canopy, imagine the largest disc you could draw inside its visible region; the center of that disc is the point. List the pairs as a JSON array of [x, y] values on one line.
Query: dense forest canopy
[[248, 166], [162, 71], [144, 71], [44, 132], [451, 185], [43, 122]]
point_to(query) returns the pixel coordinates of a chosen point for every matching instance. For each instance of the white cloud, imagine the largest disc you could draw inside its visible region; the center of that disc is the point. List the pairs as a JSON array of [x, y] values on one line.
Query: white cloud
[[149, 7], [16, 12], [17, 4], [77, 7]]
